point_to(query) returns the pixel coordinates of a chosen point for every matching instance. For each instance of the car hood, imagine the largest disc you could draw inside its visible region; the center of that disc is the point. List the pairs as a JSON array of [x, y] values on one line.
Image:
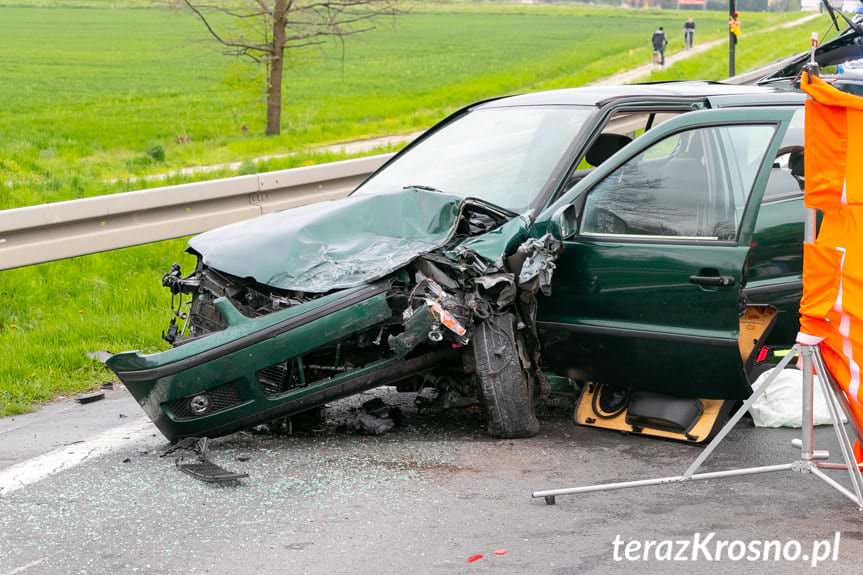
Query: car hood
[[332, 245], [846, 47]]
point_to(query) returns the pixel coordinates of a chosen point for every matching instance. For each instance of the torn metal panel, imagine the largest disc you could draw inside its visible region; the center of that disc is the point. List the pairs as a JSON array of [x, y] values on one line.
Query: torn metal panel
[[417, 326], [498, 289], [540, 255], [492, 246]]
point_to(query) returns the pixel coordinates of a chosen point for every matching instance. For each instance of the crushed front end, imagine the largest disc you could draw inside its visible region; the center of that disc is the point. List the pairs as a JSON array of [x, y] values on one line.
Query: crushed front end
[[246, 352]]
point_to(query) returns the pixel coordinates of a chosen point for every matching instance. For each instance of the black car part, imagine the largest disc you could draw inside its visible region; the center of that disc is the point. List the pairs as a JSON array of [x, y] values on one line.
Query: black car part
[[663, 412]]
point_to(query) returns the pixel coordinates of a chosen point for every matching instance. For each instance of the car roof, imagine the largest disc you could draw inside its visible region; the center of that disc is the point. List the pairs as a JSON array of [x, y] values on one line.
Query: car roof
[[720, 94]]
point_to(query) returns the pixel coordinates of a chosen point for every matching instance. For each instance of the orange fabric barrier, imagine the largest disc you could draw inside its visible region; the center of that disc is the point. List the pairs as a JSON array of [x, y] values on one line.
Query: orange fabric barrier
[[831, 310]]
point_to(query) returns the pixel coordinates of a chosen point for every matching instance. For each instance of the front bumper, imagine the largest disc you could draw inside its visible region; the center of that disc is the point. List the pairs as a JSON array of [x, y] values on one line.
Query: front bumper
[[223, 368]]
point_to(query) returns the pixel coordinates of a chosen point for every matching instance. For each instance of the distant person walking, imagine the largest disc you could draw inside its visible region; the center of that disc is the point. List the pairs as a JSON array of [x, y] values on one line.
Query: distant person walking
[[689, 33], [659, 43]]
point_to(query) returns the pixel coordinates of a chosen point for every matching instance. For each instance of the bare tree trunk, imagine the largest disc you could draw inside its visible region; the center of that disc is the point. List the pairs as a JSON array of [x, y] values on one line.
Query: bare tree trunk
[[276, 69], [279, 25]]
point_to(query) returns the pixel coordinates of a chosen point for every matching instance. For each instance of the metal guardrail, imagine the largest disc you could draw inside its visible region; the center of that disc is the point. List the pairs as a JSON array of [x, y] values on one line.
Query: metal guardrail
[[753, 76], [47, 232]]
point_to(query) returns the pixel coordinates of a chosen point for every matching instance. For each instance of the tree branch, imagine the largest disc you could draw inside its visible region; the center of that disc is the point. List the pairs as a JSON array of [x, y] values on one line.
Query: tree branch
[[199, 12], [279, 25]]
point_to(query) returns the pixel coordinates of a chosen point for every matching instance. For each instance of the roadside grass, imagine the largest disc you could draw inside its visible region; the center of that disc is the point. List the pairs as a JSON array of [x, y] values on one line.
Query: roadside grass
[[54, 313], [89, 105]]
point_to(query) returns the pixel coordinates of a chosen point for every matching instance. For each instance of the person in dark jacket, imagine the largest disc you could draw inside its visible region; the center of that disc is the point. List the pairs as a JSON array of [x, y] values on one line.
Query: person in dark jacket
[[659, 43], [689, 33]]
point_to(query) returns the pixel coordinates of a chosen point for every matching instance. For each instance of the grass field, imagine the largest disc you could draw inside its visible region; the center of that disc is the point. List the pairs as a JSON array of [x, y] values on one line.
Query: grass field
[[113, 82]]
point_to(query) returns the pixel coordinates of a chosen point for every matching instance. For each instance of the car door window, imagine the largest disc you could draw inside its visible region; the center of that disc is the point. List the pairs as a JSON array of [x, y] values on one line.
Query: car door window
[[786, 174], [621, 129], [692, 184]]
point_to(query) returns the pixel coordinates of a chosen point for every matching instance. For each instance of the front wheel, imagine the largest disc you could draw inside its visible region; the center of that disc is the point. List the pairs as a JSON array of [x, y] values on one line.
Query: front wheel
[[506, 390]]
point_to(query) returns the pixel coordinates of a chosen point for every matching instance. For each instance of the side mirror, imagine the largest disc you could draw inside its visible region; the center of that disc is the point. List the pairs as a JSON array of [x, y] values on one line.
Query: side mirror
[[564, 222]]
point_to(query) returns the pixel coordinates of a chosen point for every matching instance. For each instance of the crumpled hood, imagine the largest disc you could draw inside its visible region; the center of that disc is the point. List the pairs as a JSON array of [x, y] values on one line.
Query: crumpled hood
[[333, 245]]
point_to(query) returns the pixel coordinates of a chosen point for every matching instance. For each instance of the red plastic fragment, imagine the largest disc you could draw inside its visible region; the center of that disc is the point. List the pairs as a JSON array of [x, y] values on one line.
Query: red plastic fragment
[[500, 551], [474, 558]]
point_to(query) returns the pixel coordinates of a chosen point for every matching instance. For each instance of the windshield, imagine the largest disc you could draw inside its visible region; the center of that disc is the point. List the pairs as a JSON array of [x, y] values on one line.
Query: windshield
[[501, 155]]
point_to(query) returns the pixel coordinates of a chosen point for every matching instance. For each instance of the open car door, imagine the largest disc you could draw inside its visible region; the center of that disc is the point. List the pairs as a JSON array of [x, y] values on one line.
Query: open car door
[[647, 293]]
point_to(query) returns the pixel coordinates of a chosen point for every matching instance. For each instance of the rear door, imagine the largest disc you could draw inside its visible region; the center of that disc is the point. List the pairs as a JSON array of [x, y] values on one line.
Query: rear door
[[648, 290]]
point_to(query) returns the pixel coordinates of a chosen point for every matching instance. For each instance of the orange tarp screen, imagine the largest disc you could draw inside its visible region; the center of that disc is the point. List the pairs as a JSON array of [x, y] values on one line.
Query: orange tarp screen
[[831, 310]]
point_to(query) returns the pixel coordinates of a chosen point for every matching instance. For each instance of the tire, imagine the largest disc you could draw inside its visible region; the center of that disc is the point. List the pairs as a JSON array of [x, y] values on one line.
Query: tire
[[506, 391]]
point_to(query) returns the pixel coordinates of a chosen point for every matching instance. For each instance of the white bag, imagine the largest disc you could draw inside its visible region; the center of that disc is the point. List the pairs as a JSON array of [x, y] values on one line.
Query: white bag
[[781, 404]]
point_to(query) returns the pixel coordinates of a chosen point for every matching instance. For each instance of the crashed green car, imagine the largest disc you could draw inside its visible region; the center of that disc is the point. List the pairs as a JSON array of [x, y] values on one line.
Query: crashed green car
[[609, 234]]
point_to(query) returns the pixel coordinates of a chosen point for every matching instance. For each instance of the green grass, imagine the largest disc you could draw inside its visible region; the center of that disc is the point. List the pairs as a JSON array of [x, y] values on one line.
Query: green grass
[[104, 301], [113, 82], [87, 106]]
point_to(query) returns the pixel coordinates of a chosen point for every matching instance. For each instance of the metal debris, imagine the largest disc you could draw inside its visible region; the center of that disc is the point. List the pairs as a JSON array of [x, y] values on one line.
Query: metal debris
[[376, 417], [185, 443], [444, 397], [201, 467], [90, 397], [209, 472], [541, 254]]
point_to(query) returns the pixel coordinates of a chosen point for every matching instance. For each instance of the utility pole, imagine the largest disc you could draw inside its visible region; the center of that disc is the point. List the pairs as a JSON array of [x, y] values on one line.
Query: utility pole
[[732, 37]]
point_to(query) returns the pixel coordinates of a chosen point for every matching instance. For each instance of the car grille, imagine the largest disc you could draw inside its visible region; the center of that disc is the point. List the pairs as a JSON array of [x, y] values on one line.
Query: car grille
[[221, 397], [280, 378]]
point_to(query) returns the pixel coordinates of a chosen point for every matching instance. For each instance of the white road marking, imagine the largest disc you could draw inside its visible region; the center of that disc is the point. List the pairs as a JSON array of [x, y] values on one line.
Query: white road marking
[[23, 568], [66, 457]]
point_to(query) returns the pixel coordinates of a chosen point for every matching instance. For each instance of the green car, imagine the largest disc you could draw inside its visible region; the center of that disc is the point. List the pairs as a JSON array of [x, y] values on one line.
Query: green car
[[608, 234]]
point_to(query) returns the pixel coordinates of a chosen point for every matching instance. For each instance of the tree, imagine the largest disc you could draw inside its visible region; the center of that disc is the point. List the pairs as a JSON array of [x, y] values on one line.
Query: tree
[[262, 30]]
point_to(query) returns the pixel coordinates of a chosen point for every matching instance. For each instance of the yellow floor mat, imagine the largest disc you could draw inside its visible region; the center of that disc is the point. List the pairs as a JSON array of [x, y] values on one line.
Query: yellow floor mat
[[704, 428]]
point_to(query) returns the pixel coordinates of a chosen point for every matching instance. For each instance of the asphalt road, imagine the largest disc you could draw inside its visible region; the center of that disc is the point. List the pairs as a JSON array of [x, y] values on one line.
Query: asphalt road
[[422, 499]]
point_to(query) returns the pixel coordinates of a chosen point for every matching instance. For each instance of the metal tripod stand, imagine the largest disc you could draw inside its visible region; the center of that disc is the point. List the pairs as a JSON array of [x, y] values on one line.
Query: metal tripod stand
[[812, 461]]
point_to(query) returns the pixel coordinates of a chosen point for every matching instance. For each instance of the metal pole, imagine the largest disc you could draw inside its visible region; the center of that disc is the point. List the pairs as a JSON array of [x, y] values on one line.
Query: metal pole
[[550, 493], [832, 483], [807, 425], [732, 39], [836, 413], [732, 421], [807, 365]]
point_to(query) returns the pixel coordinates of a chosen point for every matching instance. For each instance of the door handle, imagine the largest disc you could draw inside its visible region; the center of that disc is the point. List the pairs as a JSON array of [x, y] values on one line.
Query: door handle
[[712, 280]]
